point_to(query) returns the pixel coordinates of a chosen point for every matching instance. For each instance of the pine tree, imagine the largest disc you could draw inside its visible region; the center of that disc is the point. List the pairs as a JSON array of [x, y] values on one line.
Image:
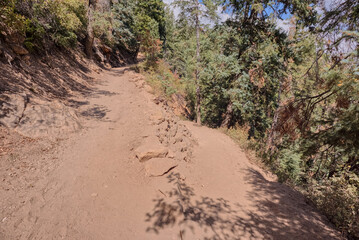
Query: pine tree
[[194, 10]]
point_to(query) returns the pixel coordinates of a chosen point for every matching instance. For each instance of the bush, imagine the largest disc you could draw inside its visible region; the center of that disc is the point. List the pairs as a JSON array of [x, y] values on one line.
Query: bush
[[161, 79], [289, 166], [338, 198], [62, 19], [10, 20], [59, 21]]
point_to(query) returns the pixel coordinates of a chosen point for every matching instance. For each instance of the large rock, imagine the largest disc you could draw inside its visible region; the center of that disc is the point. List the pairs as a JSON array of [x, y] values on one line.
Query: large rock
[[150, 150], [157, 167]]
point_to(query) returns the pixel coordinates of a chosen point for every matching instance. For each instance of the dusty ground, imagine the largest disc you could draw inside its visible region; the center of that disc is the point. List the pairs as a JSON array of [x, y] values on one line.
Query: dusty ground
[[135, 171]]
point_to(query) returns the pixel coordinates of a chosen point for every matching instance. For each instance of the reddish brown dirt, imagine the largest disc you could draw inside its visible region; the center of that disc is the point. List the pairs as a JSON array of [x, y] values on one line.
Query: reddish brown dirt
[[197, 185]]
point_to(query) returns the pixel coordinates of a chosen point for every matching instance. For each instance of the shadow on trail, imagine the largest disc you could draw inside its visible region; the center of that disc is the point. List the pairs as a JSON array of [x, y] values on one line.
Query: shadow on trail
[[277, 213], [97, 112]]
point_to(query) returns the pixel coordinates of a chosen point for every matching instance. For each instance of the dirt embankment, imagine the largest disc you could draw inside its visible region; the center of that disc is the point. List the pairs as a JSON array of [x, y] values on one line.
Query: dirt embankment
[[37, 93]]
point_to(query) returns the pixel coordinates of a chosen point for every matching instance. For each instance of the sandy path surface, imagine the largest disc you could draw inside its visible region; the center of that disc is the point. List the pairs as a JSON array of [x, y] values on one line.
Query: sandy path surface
[[192, 182]]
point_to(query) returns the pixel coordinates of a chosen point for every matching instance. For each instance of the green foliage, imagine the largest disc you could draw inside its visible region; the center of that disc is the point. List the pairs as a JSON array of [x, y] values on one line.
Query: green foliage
[[162, 80], [102, 26], [58, 21], [338, 198], [150, 18], [62, 20], [296, 93], [289, 166], [10, 20], [150, 27], [207, 9], [120, 27], [253, 10]]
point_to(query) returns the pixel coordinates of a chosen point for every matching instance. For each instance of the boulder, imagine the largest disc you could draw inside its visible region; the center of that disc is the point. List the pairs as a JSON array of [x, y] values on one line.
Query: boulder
[[150, 150]]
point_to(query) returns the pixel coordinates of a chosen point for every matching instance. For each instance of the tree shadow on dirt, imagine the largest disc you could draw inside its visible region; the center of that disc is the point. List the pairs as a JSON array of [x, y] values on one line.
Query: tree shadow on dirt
[[282, 215], [98, 112], [60, 75]]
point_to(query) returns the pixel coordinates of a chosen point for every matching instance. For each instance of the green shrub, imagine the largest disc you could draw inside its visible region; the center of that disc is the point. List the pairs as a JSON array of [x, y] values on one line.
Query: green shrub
[[161, 79], [338, 198], [289, 166], [10, 20], [64, 18]]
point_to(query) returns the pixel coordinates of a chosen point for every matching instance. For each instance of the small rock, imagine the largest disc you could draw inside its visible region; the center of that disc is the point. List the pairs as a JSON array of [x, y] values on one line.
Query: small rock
[[170, 154], [157, 118], [106, 49], [19, 50], [26, 58], [94, 195], [148, 89], [140, 83]]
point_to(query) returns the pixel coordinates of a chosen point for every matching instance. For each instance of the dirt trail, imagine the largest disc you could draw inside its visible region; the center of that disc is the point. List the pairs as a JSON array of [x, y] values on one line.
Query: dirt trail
[[191, 183]]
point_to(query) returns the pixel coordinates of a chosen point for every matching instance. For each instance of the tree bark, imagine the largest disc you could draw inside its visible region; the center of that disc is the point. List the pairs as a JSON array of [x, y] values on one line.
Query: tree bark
[[271, 136], [227, 122], [94, 5], [90, 34], [198, 59]]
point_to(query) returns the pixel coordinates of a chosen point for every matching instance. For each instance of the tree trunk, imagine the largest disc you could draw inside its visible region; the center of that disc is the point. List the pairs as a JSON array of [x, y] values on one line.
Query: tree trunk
[[90, 34], [94, 5], [198, 59], [271, 136], [227, 122]]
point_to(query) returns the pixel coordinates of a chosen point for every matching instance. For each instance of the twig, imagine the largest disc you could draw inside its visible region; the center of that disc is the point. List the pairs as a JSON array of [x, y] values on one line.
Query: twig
[[162, 193]]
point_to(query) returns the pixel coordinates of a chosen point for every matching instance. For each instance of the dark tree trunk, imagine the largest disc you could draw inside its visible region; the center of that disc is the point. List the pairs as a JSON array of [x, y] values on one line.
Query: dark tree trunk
[[198, 59], [228, 120], [94, 5], [89, 35], [272, 133]]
